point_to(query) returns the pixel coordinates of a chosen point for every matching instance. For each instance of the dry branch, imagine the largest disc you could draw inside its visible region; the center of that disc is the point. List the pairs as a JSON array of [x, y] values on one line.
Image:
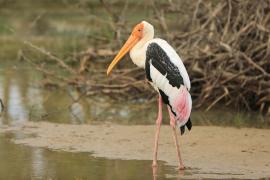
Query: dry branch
[[225, 46], [58, 60]]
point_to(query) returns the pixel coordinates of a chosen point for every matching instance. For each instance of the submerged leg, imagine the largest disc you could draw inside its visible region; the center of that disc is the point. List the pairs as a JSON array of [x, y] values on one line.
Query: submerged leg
[[172, 123], [158, 123]]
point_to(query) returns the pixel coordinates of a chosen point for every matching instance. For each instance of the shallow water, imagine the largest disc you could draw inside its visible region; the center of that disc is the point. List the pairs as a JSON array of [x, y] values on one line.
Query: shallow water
[[38, 163]]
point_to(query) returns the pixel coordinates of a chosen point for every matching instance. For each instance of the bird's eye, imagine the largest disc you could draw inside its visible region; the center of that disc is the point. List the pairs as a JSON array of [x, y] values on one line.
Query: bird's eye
[[139, 30]]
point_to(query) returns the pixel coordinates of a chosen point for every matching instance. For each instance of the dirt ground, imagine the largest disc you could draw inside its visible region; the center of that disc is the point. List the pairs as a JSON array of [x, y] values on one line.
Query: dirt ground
[[211, 152]]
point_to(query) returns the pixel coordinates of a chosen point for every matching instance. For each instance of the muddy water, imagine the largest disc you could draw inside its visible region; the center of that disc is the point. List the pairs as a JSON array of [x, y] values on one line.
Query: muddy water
[[25, 101], [22, 162]]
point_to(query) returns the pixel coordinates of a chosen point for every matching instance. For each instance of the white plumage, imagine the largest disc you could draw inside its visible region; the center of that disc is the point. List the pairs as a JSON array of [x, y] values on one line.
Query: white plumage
[[174, 58]]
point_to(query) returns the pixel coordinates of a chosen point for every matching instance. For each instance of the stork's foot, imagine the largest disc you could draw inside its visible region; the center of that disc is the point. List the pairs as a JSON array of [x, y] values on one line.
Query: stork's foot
[[154, 164], [181, 167]]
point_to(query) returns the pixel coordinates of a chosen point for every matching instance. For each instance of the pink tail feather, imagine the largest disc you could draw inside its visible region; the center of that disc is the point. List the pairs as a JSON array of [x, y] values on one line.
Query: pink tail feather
[[182, 106]]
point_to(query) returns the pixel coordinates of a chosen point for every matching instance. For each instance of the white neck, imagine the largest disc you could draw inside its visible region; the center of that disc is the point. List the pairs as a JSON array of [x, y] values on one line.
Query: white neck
[[138, 52]]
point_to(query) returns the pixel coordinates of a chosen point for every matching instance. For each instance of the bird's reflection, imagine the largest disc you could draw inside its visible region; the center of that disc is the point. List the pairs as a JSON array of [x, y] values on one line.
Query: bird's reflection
[[154, 170], [178, 173], [38, 163]]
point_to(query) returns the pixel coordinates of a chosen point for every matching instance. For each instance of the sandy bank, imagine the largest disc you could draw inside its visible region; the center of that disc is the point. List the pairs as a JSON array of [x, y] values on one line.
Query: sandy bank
[[213, 152]]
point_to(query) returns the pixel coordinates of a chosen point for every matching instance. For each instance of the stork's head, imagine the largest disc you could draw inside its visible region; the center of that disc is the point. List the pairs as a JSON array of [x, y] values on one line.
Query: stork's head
[[140, 31]]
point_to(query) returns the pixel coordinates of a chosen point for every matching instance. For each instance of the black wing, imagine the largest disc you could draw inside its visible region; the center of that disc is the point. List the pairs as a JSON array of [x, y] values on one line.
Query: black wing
[[158, 58]]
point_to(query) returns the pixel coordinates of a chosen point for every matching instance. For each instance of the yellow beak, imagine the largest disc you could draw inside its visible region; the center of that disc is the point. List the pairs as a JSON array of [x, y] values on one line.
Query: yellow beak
[[130, 43]]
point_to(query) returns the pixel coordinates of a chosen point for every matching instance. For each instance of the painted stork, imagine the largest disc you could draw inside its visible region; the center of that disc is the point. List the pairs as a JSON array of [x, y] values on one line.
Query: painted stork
[[166, 72]]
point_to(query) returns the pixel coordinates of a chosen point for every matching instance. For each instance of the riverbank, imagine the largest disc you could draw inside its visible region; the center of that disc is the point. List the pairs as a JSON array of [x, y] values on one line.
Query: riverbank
[[208, 151]]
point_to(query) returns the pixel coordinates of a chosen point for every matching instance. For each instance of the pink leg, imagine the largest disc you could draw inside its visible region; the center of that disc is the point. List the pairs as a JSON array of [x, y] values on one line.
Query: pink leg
[[154, 168], [172, 123], [158, 123]]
